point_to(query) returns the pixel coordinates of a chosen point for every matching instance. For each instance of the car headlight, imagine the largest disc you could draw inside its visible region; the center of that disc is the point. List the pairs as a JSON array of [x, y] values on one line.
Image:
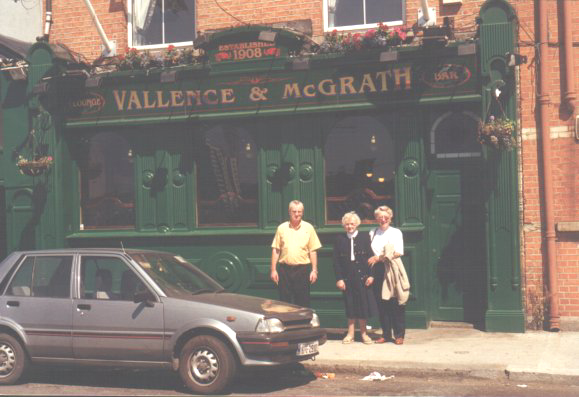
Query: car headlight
[[315, 322], [269, 326]]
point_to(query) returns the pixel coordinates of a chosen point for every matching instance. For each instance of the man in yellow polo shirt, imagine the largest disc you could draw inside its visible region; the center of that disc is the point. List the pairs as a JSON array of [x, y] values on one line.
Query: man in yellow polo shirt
[[294, 247]]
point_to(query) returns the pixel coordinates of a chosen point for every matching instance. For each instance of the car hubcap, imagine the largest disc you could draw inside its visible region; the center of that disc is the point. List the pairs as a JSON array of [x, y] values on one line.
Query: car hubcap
[[7, 359], [204, 366]]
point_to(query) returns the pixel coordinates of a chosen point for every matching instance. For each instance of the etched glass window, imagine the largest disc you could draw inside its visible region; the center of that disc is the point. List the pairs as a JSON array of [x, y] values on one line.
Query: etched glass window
[[359, 166], [226, 176], [107, 183]]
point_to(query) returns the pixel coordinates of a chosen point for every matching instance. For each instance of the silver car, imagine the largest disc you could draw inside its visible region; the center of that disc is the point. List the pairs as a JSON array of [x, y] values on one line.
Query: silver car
[[140, 308]]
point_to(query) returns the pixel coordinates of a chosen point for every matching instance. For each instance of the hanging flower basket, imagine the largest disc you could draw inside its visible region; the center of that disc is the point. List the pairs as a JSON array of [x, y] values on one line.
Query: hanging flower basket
[[34, 167], [497, 133]]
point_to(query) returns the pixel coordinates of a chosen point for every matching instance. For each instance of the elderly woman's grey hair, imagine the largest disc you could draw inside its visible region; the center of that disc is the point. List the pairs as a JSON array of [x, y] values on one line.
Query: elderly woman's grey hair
[[351, 216], [383, 209]]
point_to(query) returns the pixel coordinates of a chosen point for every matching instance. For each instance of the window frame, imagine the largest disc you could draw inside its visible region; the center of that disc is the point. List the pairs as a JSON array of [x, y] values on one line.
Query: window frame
[[154, 46], [18, 266], [363, 26]]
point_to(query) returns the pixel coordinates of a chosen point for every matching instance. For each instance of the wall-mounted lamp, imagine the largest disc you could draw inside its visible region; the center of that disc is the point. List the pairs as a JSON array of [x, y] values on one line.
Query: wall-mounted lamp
[[301, 64], [249, 151], [373, 146], [267, 35], [168, 76], [93, 81], [515, 59], [388, 56]]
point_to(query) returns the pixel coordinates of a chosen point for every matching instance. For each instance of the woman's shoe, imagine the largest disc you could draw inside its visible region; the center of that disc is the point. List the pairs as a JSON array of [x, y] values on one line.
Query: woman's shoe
[[348, 339], [380, 340], [366, 339], [399, 341]]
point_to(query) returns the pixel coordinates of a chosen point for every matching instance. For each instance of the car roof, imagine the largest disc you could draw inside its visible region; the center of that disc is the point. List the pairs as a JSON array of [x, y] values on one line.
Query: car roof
[[92, 251]]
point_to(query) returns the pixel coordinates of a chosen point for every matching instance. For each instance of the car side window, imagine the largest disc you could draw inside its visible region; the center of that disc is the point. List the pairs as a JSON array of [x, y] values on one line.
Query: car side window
[[43, 277], [108, 278]]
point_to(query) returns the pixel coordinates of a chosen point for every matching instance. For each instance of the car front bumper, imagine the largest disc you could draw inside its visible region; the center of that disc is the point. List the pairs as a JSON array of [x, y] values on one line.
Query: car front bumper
[[280, 348]]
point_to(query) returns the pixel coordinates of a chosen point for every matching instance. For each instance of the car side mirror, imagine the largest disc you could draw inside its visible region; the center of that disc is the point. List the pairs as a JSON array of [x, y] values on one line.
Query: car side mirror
[[144, 296]]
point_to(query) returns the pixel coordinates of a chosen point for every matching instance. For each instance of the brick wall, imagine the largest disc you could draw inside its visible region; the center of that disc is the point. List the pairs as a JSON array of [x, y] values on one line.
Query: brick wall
[[73, 26], [564, 163]]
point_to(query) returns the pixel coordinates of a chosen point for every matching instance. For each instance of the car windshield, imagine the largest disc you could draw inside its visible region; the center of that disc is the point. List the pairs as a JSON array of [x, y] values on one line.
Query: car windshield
[[174, 275]]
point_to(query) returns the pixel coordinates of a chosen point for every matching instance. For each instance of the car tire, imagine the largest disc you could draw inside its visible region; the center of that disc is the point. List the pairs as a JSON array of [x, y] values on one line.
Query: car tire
[[206, 365], [13, 359]]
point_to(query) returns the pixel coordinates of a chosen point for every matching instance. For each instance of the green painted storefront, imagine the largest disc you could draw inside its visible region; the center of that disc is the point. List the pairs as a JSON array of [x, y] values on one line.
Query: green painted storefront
[[411, 110]]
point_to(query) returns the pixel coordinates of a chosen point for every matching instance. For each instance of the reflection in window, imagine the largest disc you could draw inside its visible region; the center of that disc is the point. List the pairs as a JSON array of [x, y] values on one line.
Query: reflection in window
[[108, 278], [226, 176], [352, 13], [360, 164], [43, 277], [163, 21], [107, 183], [453, 135]]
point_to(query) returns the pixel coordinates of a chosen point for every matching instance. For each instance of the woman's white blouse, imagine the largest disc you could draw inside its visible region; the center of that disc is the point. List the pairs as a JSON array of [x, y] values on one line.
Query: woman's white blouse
[[389, 236]]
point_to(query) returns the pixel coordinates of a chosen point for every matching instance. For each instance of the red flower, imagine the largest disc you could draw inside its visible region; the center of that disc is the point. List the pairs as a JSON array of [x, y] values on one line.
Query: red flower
[[171, 47], [334, 32], [370, 34]]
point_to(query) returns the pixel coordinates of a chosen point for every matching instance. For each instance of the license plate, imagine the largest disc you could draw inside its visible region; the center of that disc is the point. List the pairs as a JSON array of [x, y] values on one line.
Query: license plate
[[307, 348]]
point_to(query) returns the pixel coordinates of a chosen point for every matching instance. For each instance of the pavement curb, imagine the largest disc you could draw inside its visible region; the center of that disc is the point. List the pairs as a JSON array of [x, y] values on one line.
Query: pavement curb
[[497, 372]]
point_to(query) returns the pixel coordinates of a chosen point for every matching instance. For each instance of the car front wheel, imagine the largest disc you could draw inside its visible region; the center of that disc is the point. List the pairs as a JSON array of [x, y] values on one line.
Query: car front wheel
[[12, 359], [206, 365]]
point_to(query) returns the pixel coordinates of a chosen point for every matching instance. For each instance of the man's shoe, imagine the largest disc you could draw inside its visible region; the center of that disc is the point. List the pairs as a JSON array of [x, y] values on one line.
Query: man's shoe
[[348, 339], [380, 340], [399, 341], [366, 339]]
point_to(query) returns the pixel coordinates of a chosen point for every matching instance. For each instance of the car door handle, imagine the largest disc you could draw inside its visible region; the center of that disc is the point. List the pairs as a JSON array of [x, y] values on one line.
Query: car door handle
[[13, 303], [83, 307]]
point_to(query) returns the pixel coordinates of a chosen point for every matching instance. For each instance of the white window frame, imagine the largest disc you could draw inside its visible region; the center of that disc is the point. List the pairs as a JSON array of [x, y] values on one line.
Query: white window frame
[[364, 26], [151, 46]]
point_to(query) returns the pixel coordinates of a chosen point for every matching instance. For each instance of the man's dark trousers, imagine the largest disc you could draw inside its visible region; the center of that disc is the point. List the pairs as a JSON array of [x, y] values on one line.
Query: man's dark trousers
[[294, 284]]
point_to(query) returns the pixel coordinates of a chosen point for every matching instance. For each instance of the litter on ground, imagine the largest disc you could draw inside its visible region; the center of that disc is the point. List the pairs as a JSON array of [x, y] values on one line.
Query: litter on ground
[[377, 376]]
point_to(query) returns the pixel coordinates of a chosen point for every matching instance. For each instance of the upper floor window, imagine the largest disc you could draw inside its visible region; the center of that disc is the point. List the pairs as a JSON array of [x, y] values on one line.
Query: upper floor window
[[354, 14], [107, 183], [161, 22], [360, 165], [226, 176]]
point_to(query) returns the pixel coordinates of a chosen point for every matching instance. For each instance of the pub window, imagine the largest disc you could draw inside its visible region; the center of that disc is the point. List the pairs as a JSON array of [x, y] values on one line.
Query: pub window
[[226, 176], [356, 14], [107, 183], [454, 135], [160, 22], [360, 163]]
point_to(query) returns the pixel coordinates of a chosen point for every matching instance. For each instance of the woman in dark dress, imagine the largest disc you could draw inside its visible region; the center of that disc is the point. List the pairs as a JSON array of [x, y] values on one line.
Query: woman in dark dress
[[353, 276]]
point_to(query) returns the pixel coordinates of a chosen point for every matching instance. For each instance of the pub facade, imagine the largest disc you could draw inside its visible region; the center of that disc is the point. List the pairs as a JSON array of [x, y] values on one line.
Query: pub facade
[[202, 159]]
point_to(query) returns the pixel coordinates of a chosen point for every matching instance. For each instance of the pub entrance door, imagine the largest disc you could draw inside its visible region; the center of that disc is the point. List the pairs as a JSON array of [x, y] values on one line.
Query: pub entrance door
[[457, 244]]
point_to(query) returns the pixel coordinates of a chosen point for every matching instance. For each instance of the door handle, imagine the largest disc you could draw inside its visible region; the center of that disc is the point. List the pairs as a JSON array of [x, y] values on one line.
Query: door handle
[[83, 307], [12, 303]]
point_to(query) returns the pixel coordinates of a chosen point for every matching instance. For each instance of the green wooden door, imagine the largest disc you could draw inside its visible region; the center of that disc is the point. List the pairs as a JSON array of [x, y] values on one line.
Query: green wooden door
[[456, 233], [293, 167]]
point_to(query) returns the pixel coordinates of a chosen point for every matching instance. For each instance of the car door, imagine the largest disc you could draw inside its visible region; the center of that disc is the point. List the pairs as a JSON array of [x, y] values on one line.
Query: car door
[[37, 299], [107, 324]]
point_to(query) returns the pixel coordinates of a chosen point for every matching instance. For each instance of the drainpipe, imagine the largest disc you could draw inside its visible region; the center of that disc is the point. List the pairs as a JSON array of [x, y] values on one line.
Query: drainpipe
[[543, 103], [567, 24], [109, 48]]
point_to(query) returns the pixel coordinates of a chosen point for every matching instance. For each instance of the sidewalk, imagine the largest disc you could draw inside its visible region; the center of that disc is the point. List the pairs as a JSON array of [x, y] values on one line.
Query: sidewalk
[[534, 355]]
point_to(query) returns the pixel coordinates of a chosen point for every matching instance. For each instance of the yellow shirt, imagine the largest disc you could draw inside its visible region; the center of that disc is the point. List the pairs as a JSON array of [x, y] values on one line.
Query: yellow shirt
[[295, 245]]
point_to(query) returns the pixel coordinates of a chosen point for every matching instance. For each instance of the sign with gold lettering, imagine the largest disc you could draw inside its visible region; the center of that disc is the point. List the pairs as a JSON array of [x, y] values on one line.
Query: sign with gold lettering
[[373, 84], [248, 50]]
